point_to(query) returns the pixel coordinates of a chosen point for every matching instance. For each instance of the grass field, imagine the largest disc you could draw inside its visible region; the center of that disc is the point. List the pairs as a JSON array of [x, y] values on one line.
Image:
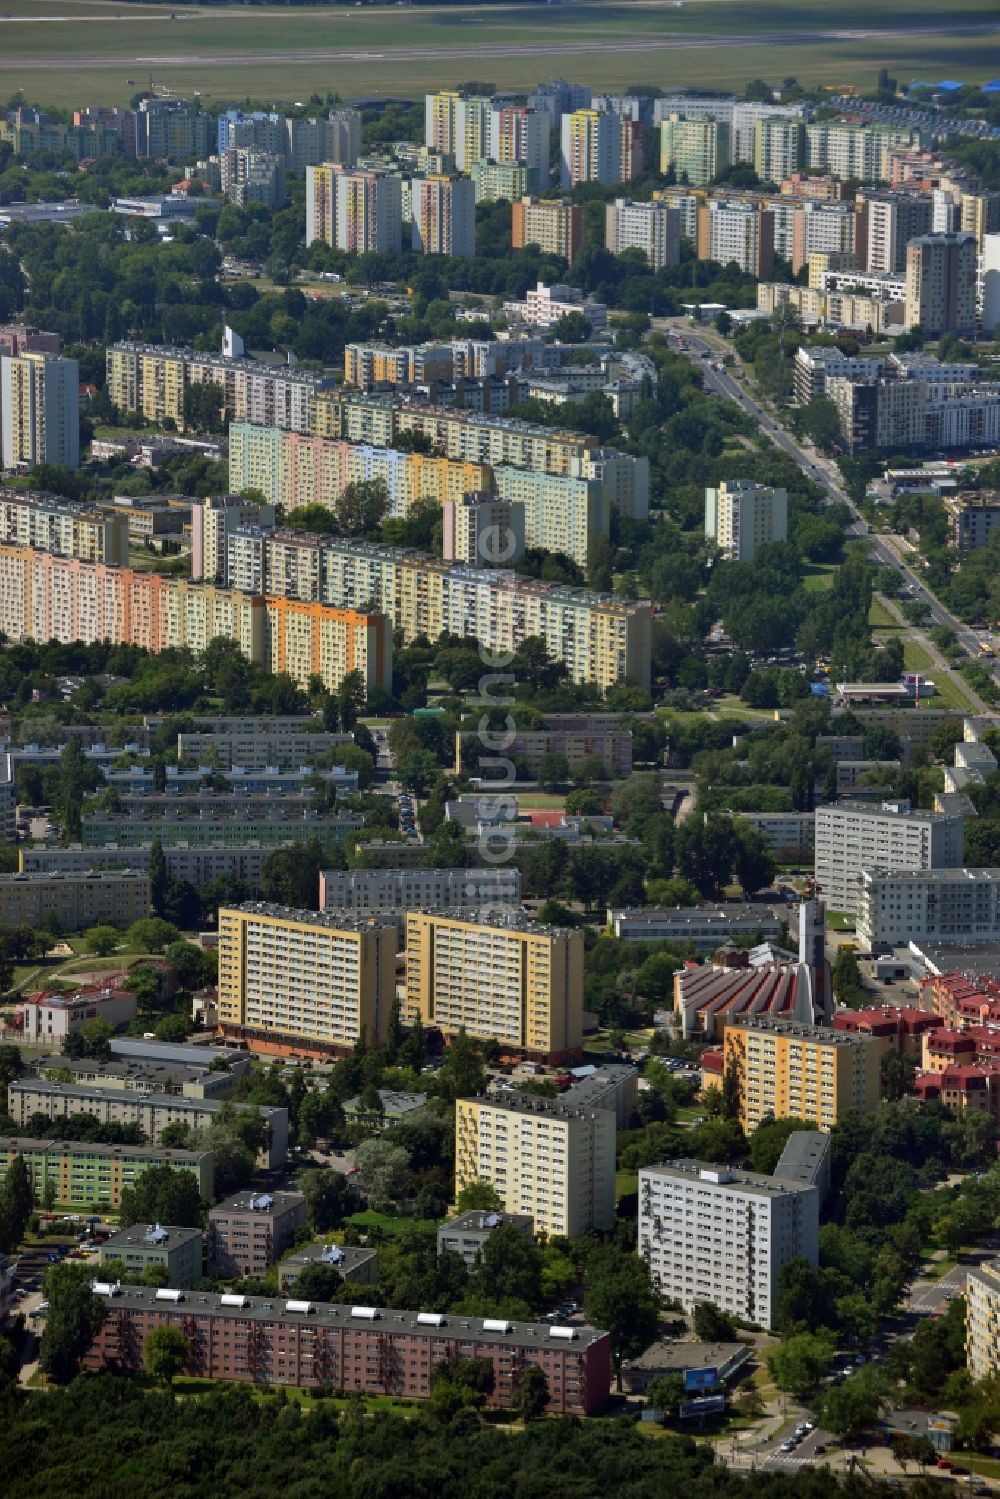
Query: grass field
[[102, 51]]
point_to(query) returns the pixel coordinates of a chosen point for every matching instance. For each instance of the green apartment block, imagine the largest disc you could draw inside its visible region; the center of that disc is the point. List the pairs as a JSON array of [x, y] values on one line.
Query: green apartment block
[[697, 150], [85, 1174], [179, 1252]]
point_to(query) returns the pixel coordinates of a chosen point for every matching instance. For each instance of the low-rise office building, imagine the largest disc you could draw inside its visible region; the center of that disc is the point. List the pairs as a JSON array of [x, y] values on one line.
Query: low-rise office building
[[72, 902], [251, 1230], [705, 927], [177, 1252], [467, 1234], [144, 1075], [152, 1112], [357, 1265], [82, 1173], [588, 736], [390, 893], [710, 1234], [375, 1351], [546, 1158]]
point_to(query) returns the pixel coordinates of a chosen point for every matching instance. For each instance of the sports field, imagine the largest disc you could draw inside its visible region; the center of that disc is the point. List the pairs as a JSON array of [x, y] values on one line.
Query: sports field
[[102, 51]]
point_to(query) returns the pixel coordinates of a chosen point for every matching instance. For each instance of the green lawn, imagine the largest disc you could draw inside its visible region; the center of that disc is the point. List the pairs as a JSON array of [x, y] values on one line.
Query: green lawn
[[819, 576], [625, 1182], [949, 694], [100, 53], [391, 1224], [880, 618], [916, 657]]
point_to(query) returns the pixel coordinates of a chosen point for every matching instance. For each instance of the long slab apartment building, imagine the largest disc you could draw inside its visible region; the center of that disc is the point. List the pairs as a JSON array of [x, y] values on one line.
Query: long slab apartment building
[[152, 1112], [153, 379], [564, 512], [47, 597], [82, 1172], [371, 1349], [601, 639]]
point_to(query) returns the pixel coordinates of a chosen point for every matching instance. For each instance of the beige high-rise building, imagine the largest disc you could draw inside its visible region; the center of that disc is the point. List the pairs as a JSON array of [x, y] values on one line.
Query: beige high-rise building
[[444, 215], [39, 410], [299, 981], [789, 1070], [941, 284], [547, 1157], [741, 516], [553, 225], [512, 981], [653, 228]]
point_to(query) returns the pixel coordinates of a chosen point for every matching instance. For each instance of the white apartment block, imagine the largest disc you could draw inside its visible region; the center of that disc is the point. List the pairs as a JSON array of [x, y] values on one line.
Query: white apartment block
[[545, 1157], [852, 836], [982, 1320], [545, 305], [212, 521], [653, 228], [711, 1234], [390, 893], [741, 516], [943, 907]]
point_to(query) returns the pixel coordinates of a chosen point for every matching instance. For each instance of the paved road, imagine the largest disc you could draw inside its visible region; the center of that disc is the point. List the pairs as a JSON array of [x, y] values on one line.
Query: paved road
[[823, 470], [926, 1296]]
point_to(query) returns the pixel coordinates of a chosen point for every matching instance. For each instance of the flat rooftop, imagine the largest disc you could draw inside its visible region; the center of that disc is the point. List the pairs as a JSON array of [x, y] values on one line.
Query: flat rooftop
[[32, 1145], [42, 1085], [491, 1332], [476, 1221], [674, 1358], [152, 1236], [270, 1204], [333, 922], [711, 1175], [797, 1030]]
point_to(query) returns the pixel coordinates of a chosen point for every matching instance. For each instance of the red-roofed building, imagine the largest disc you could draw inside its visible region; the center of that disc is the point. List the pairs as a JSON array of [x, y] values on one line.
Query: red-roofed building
[[960, 1001], [968, 1086], [898, 1027], [713, 1066], [709, 997]]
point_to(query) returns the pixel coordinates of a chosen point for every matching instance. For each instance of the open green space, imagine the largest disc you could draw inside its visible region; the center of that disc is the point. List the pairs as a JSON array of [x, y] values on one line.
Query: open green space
[[103, 51], [389, 1223], [880, 618], [948, 692], [916, 657], [818, 576]]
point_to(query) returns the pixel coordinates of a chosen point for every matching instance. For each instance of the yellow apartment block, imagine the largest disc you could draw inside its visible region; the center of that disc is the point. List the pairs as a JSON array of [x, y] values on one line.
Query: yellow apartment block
[[786, 1069], [299, 982], [543, 1156], [982, 1320], [511, 981]]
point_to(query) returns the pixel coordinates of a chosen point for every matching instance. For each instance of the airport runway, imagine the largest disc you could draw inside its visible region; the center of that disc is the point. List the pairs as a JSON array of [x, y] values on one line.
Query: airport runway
[[556, 47]]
